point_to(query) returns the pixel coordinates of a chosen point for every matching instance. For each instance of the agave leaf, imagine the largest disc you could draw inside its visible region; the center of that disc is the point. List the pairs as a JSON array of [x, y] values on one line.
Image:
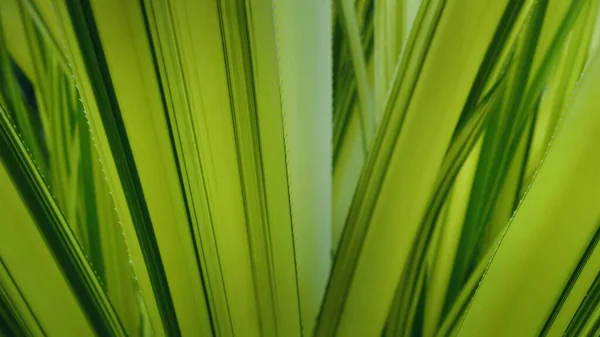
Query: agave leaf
[[351, 28], [143, 130], [502, 140], [359, 288], [407, 295], [121, 184], [10, 21], [26, 268], [346, 171], [528, 263], [499, 127], [390, 33], [168, 86], [35, 209], [17, 317], [305, 70], [448, 234], [200, 131], [179, 67], [566, 73], [69, 157], [586, 319], [579, 285], [465, 137], [353, 57]]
